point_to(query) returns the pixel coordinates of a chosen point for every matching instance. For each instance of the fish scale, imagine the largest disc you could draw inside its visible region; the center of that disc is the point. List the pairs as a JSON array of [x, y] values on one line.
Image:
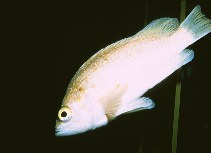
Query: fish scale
[[112, 82]]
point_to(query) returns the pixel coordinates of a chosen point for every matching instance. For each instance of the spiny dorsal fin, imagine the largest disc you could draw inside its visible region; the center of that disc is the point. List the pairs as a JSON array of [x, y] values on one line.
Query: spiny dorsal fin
[[162, 26]]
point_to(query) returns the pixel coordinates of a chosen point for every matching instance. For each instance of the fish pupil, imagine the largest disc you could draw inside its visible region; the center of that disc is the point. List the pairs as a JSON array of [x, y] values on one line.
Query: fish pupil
[[64, 114]]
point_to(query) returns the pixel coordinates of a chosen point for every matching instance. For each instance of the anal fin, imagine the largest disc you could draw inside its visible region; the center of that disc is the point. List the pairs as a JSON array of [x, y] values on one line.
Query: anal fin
[[172, 65]]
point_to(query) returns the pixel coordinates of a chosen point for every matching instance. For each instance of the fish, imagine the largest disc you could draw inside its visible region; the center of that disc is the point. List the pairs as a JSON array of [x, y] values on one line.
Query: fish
[[112, 81]]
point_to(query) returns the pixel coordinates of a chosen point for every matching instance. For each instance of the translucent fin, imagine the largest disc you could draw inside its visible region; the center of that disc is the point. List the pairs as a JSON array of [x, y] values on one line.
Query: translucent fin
[[162, 26], [158, 27], [112, 101], [186, 56], [114, 106], [197, 24], [136, 105], [173, 64]]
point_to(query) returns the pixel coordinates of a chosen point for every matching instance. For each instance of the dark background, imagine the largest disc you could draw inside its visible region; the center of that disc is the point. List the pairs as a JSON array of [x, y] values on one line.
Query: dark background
[[45, 42]]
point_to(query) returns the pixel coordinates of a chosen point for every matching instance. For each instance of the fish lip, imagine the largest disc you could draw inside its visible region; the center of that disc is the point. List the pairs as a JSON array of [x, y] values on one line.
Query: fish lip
[[61, 133], [58, 132], [58, 129]]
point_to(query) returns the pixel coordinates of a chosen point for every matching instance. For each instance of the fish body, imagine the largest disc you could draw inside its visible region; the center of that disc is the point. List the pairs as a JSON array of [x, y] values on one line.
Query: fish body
[[113, 80]]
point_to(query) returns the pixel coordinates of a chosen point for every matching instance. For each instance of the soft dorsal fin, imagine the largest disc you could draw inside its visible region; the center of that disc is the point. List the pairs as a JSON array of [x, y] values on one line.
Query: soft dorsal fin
[[162, 26]]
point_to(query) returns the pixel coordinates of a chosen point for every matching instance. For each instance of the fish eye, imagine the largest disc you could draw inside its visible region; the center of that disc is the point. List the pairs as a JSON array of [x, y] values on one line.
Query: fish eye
[[64, 114]]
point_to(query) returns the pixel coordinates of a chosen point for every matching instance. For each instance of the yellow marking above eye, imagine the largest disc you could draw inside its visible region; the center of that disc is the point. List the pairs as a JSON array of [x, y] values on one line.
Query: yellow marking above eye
[[64, 114]]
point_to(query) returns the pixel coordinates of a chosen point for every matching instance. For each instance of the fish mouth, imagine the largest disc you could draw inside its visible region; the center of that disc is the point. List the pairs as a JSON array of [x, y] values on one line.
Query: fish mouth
[[59, 130], [60, 133], [64, 133]]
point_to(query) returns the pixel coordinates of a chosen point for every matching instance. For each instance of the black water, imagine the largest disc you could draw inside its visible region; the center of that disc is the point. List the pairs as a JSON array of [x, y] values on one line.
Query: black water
[[45, 42]]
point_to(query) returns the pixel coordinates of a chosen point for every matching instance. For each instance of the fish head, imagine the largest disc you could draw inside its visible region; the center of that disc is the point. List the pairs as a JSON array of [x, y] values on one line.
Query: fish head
[[79, 117], [74, 118]]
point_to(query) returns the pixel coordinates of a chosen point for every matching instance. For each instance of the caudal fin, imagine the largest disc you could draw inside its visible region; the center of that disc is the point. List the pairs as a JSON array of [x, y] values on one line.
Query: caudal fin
[[196, 24]]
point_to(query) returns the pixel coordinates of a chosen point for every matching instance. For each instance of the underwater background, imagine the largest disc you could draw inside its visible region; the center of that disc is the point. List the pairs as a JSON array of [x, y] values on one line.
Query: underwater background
[[45, 42]]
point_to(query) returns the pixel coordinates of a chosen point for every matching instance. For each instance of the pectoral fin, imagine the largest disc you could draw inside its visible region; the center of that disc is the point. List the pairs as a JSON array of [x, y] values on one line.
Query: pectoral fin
[[112, 101], [130, 107], [137, 105]]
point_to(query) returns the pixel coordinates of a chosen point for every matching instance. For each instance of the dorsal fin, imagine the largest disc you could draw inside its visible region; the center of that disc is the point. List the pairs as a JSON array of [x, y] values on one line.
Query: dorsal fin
[[162, 26]]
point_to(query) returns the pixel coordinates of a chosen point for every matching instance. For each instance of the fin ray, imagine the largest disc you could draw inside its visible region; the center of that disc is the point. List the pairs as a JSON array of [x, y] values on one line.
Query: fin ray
[[174, 63], [136, 105], [197, 24], [162, 26], [113, 100]]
